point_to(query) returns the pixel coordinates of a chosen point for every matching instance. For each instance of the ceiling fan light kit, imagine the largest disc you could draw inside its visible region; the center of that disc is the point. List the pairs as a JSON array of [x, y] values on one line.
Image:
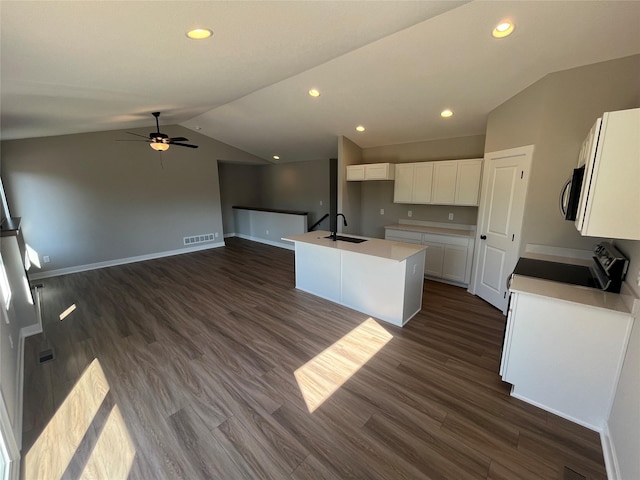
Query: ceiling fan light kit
[[159, 146], [161, 142]]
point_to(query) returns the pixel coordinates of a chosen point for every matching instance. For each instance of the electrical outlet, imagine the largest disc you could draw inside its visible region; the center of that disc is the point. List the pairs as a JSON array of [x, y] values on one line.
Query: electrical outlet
[[382, 211], [267, 232], [409, 213], [320, 202], [638, 277], [451, 216], [216, 234], [46, 259]]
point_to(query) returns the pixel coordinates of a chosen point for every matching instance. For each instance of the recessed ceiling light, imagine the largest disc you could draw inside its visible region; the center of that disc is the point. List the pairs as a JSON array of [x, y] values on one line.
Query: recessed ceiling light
[[314, 92], [199, 33], [276, 157], [503, 29], [446, 113], [360, 128]]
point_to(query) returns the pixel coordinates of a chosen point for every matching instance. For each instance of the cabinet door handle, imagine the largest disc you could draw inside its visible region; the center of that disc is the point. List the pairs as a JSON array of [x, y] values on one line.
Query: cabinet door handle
[[483, 237]]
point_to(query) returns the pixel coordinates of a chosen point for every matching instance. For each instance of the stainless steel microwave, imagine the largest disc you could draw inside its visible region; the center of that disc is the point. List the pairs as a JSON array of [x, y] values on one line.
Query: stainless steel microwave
[[570, 194]]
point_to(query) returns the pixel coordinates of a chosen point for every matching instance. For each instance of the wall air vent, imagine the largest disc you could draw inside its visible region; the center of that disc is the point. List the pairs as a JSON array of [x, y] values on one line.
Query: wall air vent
[[207, 237]]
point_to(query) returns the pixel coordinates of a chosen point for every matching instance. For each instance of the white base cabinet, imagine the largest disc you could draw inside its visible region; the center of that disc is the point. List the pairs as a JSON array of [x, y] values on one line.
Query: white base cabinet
[[448, 257], [564, 357]]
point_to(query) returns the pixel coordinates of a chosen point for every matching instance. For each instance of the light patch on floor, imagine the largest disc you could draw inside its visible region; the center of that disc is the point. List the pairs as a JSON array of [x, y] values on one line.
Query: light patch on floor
[[113, 453], [67, 312], [325, 373]]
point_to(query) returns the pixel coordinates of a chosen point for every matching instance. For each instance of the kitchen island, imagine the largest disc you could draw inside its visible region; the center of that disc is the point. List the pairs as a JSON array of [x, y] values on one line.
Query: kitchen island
[[377, 277]]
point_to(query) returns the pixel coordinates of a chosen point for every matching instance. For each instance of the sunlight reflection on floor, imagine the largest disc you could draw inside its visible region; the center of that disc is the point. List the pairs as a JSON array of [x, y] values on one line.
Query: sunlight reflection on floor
[[113, 453], [321, 376]]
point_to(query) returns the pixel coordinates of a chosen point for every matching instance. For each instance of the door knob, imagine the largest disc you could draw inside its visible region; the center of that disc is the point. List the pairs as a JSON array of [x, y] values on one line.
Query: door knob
[[483, 237]]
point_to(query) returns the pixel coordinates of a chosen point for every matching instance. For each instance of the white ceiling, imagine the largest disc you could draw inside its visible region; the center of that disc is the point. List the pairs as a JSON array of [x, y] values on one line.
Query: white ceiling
[[392, 66]]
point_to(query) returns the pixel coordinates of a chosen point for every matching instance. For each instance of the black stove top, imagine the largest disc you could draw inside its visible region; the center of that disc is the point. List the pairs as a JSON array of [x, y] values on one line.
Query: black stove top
[[555, 271]]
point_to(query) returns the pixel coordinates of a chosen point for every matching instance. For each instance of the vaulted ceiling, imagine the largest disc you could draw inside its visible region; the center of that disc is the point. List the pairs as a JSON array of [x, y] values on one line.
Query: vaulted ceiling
[[392, 66]]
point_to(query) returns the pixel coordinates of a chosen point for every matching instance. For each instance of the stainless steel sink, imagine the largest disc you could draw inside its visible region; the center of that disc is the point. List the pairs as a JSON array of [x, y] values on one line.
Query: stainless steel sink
[[348, 239]]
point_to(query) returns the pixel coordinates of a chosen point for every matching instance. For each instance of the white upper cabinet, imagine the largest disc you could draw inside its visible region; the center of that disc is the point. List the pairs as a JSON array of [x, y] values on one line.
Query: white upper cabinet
[[444, 182], [422, 182], [468, 182], [610, 196], [403, 186], [355, 173], [371, 171], [450, 182], [413, 183]]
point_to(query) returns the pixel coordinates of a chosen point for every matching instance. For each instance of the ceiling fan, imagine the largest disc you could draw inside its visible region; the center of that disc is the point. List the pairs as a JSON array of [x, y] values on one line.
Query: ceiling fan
[[160, 141]]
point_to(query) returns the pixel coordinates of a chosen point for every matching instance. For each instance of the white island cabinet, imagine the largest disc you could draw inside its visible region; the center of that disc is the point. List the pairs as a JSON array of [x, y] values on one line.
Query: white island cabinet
[[377, 277]]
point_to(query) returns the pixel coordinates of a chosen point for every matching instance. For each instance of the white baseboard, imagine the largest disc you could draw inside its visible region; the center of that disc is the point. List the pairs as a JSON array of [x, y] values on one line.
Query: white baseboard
[[30, 330], [122, 261], [555, 412], [609, 453], [287, 245]]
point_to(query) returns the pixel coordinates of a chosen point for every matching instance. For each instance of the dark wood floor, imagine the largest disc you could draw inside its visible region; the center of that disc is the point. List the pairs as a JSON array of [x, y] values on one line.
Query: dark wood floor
[[194, 379]]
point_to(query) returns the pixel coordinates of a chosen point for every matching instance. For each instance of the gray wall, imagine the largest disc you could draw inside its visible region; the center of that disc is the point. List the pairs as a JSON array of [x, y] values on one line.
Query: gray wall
[[555, 114], [376, 195], [349, 193], [239, 185], [88, 198], [290, 186], [297, 186], [430, 150]]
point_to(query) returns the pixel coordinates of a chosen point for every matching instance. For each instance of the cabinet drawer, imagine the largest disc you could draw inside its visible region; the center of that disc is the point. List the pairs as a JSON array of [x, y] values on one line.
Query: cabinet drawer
[[403, 240], [448, 239], [403, 235]]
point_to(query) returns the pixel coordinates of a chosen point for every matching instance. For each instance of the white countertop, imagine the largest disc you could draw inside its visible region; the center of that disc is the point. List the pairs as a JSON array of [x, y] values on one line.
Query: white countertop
[[436, 230], [572, 293], [375, 247]]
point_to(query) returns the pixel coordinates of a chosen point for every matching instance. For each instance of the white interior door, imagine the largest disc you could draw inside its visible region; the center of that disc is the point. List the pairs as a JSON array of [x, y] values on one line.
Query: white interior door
[[504, 190]]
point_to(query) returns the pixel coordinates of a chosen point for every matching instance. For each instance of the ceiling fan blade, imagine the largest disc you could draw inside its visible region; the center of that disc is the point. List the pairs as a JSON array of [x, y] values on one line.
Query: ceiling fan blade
[[138, 135], [178, 139], [119, 140], [183, 145]]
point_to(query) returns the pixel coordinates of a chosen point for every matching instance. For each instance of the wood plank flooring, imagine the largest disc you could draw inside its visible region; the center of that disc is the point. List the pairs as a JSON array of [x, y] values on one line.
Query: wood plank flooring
[[184, 368]]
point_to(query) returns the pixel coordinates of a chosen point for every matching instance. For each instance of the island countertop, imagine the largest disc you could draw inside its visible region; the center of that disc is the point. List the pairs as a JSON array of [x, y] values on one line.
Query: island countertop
[[375, 247]]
